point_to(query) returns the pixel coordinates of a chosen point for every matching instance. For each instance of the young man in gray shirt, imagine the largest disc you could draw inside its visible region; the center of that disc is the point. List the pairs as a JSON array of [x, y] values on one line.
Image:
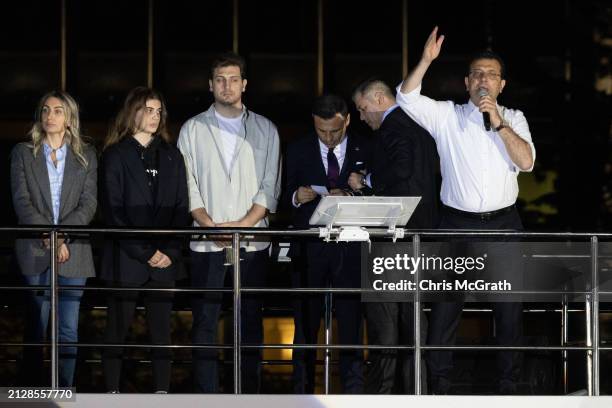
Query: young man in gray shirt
[[232, 159]]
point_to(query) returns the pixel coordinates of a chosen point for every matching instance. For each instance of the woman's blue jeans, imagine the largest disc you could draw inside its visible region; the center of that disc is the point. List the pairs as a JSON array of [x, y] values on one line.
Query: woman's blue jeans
[[68, 323]]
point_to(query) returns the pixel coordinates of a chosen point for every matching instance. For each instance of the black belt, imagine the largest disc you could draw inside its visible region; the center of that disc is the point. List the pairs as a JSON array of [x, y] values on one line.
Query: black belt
[[482, 216]]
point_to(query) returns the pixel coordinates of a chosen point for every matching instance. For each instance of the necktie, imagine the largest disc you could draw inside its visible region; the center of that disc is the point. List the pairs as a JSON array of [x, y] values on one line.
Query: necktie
[[333, 169]]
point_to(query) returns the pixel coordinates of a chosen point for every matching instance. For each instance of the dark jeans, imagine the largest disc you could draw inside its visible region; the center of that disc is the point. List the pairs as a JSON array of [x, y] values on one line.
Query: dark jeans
[[339, 266], [208, 271], [446, 315], [121, 307]]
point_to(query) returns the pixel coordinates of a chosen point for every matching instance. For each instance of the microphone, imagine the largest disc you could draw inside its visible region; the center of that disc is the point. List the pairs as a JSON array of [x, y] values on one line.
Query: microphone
[[486, 118]]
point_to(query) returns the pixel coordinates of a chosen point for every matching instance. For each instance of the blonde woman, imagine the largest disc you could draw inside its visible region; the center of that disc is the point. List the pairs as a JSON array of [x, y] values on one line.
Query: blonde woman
[[53, 182]]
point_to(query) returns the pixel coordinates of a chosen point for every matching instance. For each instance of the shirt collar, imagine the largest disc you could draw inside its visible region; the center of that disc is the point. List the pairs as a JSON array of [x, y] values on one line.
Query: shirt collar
[[339, 148], [211, 111], [388, 111], [237, 118], [60, 153], [470, 107]]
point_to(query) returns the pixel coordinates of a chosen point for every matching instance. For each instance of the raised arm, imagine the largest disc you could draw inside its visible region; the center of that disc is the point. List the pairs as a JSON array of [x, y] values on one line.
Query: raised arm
[[433, 45]]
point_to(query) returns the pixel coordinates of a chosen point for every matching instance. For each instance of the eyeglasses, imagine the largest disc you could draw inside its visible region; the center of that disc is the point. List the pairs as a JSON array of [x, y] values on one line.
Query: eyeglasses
[[481, 74]]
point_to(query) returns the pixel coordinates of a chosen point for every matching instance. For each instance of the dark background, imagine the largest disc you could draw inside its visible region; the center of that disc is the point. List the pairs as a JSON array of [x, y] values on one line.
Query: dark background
[[557, 53], [558, 71]]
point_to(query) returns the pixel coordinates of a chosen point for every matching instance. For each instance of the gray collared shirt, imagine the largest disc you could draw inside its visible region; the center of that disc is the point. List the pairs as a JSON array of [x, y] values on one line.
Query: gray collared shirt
[[227, 194]]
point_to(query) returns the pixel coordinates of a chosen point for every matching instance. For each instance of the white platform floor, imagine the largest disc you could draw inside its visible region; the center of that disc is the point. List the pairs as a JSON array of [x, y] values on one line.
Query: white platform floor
[[329, 401]]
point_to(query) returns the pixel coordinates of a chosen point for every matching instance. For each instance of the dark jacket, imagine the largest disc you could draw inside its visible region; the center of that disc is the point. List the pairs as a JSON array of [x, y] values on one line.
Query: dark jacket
[[128, 201], [405, 163], [304, 167]]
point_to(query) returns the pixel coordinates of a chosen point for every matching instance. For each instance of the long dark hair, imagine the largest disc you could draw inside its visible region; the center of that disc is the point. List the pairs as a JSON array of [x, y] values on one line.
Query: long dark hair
[[125, 122]]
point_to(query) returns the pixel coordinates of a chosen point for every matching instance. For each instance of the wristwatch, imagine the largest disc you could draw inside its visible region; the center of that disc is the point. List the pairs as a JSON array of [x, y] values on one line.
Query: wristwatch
[[502, 125]]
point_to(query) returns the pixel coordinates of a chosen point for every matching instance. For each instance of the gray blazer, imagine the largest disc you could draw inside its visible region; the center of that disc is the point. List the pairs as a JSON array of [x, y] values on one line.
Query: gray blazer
[[32, 201]]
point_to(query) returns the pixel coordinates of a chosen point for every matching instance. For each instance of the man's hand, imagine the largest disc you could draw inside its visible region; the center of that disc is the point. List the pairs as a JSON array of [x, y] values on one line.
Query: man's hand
[[305, 194], [487, 104], [355, 181], [234, 224], [251, 219], [202, 218], [200, 215], [160, 260], [226, 240], [63, 253], [431, 51], [223, 241], [432, 47]]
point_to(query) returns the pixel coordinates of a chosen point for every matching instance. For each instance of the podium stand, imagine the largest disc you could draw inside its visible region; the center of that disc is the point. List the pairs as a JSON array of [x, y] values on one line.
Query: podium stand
[[346, 217]]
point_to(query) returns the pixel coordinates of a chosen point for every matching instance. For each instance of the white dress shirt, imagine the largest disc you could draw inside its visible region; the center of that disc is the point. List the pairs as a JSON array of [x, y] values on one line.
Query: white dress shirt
[[339, 151], [477, 172]]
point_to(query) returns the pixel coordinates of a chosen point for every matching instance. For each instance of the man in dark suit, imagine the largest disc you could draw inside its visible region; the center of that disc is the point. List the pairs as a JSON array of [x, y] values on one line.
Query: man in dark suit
[[405, 164], [405, 161], [324, 159]]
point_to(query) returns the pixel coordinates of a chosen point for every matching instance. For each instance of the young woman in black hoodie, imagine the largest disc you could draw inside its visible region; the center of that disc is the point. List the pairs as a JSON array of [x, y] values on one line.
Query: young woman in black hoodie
[[144, 184]]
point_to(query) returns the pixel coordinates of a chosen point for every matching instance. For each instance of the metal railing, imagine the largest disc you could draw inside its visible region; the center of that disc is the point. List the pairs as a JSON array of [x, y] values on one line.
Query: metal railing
[[591, 309]]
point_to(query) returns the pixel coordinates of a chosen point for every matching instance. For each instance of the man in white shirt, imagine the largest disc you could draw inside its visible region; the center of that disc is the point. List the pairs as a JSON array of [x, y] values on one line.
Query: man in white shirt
[[232, 157], [482, 148]]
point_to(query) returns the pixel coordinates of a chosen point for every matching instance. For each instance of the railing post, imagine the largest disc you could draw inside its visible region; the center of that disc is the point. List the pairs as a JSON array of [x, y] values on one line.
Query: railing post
[[416, 249], [328, 337], [53, 311], [595, 322], [564, 331], [588, 314], [237, 323]]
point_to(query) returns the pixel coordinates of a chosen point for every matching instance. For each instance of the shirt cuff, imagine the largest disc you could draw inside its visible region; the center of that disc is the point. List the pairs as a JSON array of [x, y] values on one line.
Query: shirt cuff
[[368, 180], [266, 201], [294, 200], [195, 202]]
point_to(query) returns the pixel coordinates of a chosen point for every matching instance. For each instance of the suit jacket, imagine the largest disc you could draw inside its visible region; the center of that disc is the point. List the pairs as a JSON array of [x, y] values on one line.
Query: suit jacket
[[405, 163], [128, 201], [304, 167], [32, 201]]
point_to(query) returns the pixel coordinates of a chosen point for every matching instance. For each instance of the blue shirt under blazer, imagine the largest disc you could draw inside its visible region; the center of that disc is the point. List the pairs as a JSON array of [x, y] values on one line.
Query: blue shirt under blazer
[[33, 204]]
